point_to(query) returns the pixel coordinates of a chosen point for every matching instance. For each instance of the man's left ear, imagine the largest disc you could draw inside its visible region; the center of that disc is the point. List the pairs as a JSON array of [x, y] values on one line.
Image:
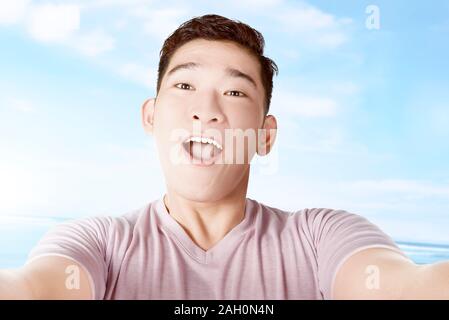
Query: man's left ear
[[148, 115], [267, 137]]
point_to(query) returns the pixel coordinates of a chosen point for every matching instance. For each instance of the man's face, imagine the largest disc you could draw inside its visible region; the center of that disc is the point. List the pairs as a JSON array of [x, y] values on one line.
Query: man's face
[[210, 89]]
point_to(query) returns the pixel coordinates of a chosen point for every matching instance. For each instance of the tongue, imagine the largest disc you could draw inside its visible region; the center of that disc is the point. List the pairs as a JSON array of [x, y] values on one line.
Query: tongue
[[202, 151]]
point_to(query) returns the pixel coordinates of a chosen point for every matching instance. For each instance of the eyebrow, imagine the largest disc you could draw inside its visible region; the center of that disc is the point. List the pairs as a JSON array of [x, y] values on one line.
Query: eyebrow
[[229, 71], [187, 65], [239, 74]]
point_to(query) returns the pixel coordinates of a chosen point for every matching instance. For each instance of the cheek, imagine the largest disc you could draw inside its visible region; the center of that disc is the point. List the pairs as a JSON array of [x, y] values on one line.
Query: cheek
[[167, 128], [172, 99], [243, 118], [168, 116]]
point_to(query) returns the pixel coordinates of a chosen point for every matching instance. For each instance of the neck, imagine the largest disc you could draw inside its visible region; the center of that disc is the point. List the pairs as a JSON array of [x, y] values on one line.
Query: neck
[[207, 223]]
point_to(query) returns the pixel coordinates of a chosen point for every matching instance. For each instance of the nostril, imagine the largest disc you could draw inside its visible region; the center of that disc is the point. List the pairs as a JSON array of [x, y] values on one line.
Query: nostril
[[195, 117]]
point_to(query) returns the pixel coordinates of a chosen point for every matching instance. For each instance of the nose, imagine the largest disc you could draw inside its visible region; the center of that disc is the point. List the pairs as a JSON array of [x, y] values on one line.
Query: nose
[[208, 110]]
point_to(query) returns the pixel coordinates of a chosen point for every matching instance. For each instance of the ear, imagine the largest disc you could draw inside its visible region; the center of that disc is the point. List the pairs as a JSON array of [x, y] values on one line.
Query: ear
[[148, 115], [267, 136]]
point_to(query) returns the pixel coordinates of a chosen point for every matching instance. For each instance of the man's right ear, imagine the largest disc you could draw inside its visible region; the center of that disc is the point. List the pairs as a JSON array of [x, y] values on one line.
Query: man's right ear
[[148, 115]]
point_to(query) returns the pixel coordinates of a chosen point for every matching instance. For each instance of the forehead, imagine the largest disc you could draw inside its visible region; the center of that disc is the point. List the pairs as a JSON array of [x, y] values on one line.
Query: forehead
[[217, 53]]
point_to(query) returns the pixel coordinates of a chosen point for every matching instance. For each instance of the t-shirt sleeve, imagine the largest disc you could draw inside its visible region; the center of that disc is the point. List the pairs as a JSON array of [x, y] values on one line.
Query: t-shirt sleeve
[[337, 235], [83, 241]]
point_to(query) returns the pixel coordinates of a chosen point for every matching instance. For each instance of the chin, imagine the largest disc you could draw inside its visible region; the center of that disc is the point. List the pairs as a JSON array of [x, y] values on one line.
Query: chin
[[200, 194]]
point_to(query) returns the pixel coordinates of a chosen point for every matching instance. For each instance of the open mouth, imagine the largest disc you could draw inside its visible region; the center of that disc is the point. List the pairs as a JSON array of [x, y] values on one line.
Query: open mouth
[[202, 150]]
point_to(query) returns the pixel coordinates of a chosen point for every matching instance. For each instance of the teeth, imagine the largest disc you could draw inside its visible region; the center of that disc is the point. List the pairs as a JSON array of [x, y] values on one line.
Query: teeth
[[205, 140]]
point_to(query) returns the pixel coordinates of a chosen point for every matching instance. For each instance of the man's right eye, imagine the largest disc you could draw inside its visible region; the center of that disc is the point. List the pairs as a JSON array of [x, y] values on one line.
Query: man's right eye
[[183, 86]]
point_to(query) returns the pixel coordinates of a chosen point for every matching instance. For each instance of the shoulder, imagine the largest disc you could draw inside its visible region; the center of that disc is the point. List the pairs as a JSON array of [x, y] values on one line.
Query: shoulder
[[315, 222], [304, 215], [101, 226]]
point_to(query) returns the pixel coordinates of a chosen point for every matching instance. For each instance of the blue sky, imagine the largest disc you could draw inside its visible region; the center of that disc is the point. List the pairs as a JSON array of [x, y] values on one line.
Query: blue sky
[[363, 113]]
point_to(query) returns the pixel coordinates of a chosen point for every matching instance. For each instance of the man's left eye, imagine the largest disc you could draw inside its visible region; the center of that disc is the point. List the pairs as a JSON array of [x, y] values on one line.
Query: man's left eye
[[235, 93]]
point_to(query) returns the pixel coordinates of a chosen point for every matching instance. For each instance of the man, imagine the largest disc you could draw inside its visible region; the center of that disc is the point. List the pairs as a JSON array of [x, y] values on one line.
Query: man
[[204, 239]]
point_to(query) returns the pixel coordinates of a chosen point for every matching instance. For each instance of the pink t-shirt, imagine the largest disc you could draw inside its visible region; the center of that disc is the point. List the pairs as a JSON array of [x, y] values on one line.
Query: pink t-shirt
[[270, 254]]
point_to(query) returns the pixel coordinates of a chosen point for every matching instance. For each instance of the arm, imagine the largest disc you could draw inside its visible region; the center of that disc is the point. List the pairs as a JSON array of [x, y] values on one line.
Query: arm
[[378, 273], [47, 277]]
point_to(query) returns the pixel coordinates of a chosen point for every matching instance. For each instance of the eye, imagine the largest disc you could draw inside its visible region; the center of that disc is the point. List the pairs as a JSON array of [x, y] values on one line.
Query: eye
[[183, 86], [235, 93]]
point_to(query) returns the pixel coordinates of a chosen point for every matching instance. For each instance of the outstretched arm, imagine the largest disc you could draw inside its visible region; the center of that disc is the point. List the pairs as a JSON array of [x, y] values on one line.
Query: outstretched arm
[[379, 273], [46, 278]]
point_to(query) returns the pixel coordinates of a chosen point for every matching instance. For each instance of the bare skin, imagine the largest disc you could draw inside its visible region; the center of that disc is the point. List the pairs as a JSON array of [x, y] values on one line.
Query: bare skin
[[44, 278]]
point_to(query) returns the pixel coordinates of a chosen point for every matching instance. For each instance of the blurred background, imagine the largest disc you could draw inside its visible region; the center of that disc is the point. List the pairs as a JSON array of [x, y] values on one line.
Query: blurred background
[[361, 101]]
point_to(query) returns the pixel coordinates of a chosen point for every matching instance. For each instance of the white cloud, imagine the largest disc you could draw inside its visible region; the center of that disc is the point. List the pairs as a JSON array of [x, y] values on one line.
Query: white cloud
[[409, 188], [313, 26], [27, 220], [260, 3], [330, 39], [139, 74], [53, 23], [58, 23], [403, 218], [92, 43], [12, 11], [256, 4], [307, 18], [115, 180], [101, 4], [405, 208], [304, 105], [160, 23], [17, 184], [21, 105]]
